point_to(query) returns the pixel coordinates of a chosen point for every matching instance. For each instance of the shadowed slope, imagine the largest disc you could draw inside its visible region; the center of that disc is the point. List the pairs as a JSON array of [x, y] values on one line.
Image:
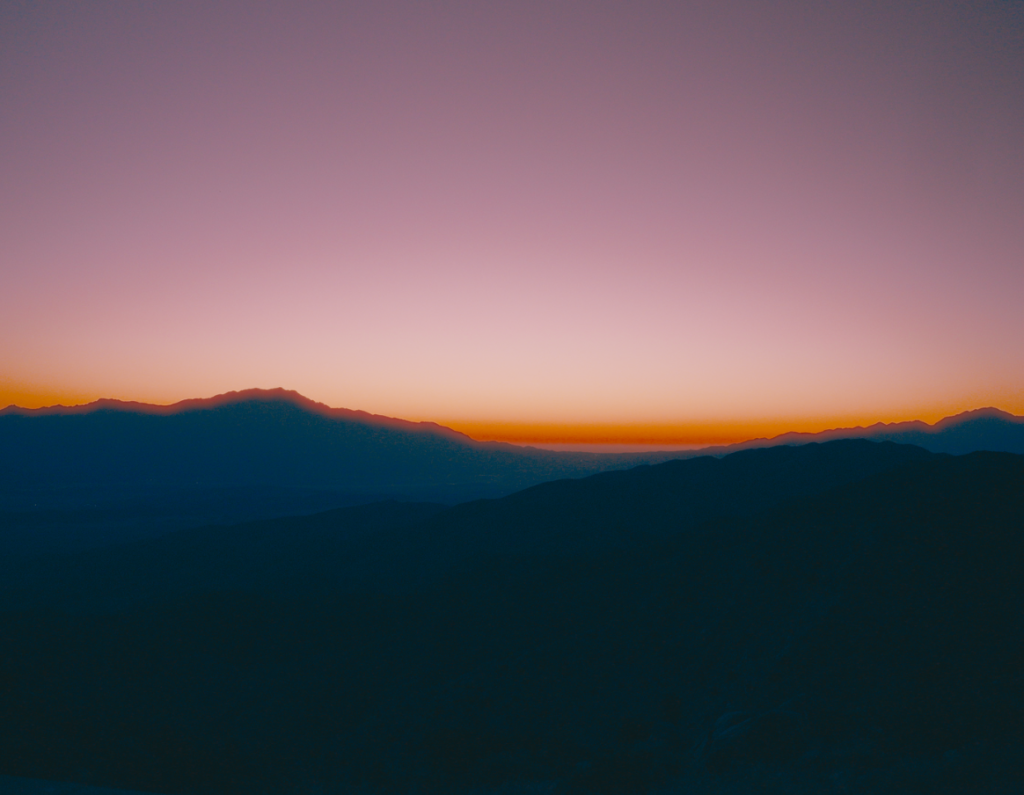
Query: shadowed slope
[[112, 471], [879, 612], [416, 544], [254, 437], [844, 616]]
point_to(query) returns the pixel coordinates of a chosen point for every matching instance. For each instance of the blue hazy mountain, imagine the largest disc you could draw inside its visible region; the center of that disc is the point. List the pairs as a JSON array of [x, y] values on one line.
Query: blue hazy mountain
[[971, 431], [112, 471], [263, 437], [112, 452], [837, 617]]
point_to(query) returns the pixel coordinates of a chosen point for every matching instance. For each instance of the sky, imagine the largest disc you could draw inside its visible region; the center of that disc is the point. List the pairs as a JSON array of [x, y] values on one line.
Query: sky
[[558, 222]]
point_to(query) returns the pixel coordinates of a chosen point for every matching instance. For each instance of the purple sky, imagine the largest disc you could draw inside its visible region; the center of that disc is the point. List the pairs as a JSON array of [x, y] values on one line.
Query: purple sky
[[691, 219]]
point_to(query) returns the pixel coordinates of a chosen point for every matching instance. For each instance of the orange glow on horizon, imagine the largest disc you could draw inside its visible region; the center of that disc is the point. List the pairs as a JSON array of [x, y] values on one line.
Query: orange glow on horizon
[[618, 242], [28, 398], [610, 433], [697, 433], [712, 431]]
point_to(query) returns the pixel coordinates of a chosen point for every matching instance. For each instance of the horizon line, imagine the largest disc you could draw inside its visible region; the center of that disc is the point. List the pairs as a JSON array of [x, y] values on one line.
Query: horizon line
[[615, 436]]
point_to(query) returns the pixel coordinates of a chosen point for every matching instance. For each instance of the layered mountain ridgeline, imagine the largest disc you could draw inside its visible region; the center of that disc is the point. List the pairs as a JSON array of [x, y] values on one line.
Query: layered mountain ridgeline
[[269, 437], [393, 546], [982, 429], [843, 617], [112, 471]]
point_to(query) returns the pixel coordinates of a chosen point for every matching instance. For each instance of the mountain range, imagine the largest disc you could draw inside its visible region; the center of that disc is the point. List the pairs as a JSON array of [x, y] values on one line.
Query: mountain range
[[63, 455], [264, 438], [112, 471], [981, 429], [213, 598]]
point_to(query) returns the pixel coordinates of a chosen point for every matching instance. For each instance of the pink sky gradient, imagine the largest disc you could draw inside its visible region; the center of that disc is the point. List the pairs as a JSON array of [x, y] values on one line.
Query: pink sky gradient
[[697, 217]]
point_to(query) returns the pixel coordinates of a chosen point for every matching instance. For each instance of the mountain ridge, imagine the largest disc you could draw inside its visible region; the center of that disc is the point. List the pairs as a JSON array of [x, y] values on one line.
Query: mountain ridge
[[1004, 433], [110, 471], [280, 394], [70, 467], [226, 398]]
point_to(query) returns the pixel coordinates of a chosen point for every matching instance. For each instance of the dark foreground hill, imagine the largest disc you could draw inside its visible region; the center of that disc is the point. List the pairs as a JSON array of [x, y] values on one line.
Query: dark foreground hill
[[387, 547], [834, 618]]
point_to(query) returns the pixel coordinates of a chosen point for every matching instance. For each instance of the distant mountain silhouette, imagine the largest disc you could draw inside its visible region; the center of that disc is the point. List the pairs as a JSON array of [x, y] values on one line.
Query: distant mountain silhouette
[[837, 617], [262, 437], [970, 431], [112, 471], [74, 456]]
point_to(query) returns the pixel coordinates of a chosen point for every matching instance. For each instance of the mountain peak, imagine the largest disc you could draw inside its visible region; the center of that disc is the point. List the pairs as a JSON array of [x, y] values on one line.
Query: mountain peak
[[255, 395], [987, 413], [276, 395]]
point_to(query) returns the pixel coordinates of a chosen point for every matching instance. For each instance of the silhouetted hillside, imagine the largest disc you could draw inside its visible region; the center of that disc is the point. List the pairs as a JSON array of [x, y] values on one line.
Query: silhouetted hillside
[[413, 544], [265, 437], [968, 432], [832, 618], [113, 471], [110, 471]]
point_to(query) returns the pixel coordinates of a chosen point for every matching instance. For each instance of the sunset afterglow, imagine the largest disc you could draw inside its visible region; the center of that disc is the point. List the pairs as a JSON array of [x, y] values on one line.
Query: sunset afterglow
[[651, 223]]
